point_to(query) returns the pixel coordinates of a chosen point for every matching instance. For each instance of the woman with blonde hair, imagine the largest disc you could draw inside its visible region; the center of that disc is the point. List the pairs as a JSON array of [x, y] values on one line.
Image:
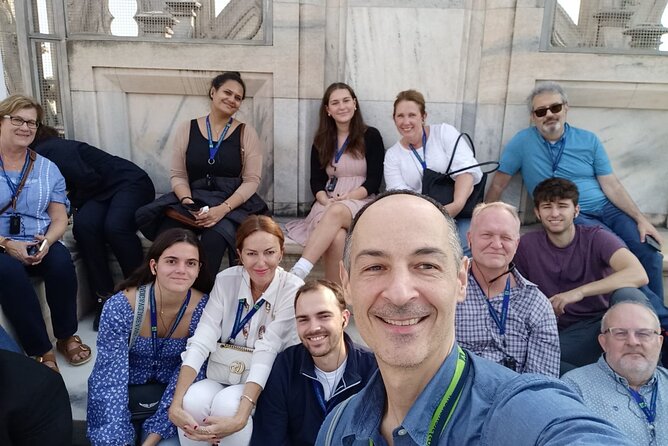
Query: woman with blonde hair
[[33, 218]]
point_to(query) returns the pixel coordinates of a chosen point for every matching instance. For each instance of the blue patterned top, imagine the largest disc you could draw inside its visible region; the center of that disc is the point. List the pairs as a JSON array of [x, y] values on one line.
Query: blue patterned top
[[115, 368]]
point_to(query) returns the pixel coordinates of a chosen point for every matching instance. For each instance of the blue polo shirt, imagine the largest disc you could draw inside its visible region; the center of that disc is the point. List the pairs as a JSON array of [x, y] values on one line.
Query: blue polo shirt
[[497, 407], [583, 159]]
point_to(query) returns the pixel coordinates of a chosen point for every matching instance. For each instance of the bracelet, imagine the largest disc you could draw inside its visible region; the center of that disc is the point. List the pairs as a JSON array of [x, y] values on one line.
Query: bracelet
[[248, 398], [183, 198], [230, 210]]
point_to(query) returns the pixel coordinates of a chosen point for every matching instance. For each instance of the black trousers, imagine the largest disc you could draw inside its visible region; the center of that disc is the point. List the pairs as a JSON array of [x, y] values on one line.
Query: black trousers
[[111, 222], [34, 404]]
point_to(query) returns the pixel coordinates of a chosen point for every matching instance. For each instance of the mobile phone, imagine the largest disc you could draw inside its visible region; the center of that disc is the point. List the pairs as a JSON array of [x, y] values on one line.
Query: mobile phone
[[192, 207], [654, 243], [331, 185], [36, 249]]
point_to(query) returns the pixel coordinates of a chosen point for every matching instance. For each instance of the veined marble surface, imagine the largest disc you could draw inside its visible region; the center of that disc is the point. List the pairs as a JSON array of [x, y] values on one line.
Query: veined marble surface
[[474, 61]]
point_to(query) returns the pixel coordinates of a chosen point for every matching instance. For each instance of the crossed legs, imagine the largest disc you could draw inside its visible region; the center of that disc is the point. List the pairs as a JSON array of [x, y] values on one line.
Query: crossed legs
[[327, 239]]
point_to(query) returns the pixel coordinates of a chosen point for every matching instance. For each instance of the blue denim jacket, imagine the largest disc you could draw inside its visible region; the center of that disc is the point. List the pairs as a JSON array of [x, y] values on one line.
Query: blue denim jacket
[[498, 407]]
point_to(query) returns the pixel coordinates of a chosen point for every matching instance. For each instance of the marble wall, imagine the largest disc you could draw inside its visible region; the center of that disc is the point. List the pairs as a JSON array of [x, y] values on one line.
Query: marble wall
[[474, 60]]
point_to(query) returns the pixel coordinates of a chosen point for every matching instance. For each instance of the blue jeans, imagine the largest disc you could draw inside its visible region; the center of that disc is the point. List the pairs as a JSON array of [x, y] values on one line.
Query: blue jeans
[[463, 225], [618, 222]]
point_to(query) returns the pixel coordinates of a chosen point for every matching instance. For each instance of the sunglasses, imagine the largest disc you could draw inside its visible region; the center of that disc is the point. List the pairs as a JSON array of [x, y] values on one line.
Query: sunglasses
[[554, 109]]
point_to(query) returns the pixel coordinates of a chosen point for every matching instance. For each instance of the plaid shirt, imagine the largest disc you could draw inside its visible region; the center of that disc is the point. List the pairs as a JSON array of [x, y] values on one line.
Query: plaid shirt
[[531, 328]]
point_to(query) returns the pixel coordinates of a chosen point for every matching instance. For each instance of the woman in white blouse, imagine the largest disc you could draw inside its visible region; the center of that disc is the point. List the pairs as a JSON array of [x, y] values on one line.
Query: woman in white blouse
[[208, 411], [431, 146]]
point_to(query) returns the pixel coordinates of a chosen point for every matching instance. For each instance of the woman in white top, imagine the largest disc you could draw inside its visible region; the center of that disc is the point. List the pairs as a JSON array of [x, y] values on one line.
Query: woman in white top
[[429, 146], [208, 411]]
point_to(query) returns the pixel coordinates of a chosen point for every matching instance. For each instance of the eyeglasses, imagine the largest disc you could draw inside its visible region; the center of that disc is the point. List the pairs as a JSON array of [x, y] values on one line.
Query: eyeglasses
[[18, 122], [554, 108], [641, 334]]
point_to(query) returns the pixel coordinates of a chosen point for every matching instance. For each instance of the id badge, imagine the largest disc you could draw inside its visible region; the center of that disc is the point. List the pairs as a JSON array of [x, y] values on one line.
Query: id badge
[[14, 224]]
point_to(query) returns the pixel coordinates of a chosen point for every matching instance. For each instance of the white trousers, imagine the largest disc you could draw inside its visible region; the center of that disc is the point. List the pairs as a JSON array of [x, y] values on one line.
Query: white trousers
[[210, 398]]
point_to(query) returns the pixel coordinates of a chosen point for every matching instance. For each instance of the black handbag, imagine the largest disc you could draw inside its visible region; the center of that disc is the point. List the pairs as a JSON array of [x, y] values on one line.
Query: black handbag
[[144, 400], [441, 186]]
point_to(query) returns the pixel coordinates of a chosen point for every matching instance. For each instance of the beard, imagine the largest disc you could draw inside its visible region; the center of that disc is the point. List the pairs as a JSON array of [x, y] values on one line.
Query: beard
[[552, 129]]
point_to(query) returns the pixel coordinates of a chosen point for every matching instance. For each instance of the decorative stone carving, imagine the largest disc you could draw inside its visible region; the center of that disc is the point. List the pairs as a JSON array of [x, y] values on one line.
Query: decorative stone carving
[[239, 20], [9, 46], [185, 12], [88, 16], [156, 23]]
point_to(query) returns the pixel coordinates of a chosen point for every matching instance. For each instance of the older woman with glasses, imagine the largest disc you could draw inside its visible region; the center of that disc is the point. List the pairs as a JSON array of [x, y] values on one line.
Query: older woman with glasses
[[33, 217]]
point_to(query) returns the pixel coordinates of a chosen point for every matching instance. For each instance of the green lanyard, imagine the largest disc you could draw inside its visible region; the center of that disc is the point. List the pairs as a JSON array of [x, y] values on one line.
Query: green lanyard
[[446, 408]]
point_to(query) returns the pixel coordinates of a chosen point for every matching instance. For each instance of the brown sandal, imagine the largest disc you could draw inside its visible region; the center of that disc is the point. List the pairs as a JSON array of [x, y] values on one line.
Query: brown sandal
[[49, 360], [70, 353]]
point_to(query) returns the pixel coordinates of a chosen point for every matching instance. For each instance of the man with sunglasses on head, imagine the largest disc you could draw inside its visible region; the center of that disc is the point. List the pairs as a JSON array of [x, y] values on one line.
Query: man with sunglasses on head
[[553, 148], [625, 386]]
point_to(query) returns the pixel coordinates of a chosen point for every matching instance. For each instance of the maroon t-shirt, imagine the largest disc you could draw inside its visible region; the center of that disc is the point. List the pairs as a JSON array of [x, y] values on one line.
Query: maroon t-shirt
[[555, 270]]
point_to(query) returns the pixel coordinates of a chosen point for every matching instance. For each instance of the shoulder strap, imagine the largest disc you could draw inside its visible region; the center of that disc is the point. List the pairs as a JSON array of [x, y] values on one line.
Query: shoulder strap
[[470, 141], [140, 304], [32, 156], [335, 421], [454, 150], [242, 151]]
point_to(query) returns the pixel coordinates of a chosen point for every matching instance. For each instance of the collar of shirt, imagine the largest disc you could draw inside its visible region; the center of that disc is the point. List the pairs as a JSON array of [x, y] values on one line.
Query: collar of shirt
[[548, 143], [645, 389], [366, 423], [477, 292]]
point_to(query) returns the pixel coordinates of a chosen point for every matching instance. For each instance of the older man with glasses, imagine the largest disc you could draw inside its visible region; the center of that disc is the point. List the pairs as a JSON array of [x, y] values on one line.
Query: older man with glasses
[[552, 148], [625, 386]]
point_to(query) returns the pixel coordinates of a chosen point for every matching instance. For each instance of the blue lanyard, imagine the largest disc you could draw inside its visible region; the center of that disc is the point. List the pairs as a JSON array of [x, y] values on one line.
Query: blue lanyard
[[650, 412], [238, 322], [10, 184], [154, 323], [339, 152], [556, 150], [213, 150], [500, 320], [423, 162]]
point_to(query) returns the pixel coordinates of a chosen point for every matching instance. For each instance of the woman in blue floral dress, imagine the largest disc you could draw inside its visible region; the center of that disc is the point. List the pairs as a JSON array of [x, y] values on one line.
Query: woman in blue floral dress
[[174, 280]]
